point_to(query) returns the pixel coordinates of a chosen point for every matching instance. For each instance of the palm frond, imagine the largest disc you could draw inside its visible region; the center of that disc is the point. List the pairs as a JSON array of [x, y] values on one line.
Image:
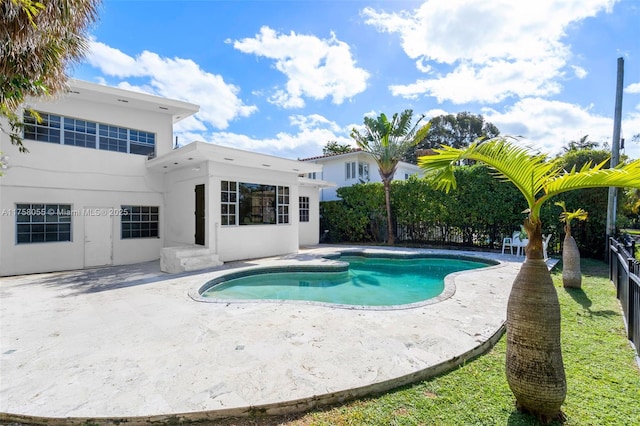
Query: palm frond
[[623, 176], [526, 170]]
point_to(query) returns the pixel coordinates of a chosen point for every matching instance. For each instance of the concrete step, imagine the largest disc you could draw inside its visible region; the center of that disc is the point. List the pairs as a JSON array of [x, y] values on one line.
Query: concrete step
[[195, 263], [174, 260]]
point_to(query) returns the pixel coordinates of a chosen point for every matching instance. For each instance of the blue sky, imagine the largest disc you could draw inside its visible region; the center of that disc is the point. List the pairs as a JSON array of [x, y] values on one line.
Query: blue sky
[[285, 77]]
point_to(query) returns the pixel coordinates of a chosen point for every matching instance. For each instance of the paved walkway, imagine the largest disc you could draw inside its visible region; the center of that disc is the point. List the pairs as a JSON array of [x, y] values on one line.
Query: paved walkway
[[124, 342]]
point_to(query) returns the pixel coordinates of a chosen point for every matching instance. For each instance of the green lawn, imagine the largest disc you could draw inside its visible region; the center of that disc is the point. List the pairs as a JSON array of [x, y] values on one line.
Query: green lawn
[[602, 376]]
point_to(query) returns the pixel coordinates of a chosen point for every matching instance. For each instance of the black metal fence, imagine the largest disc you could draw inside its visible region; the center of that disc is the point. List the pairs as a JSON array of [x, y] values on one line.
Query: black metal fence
[[624, 272]]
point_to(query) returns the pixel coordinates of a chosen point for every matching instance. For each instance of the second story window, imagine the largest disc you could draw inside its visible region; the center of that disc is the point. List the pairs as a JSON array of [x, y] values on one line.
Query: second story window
[[71, 131], [357, 170], [363, 171], [350, 170]]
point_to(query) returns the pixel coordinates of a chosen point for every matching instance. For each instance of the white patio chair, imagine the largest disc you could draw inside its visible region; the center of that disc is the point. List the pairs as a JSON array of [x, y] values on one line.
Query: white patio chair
[[506, 242], [519, 244]]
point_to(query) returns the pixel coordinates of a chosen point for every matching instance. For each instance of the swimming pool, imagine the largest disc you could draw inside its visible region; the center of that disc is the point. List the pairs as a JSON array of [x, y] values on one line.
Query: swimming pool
[[349, 280]]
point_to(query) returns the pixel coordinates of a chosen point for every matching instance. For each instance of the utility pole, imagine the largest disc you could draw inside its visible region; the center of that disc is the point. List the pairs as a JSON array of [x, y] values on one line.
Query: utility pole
[[615, 153]]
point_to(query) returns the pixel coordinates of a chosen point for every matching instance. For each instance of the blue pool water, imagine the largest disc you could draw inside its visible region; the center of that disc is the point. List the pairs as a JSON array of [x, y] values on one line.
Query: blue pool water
[[370, 281]]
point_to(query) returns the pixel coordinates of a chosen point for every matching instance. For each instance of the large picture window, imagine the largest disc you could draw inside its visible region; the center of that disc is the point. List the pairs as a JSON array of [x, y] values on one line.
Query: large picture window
[[71, 131], [140, 222], [43, 223], [253, 203]]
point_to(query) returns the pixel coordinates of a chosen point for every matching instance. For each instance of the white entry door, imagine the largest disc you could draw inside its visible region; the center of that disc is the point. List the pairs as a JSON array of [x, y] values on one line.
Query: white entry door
[[98, 238]]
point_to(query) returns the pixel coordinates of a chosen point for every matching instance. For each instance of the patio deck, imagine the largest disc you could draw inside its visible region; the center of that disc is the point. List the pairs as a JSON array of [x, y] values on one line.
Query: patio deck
[[128, 343]]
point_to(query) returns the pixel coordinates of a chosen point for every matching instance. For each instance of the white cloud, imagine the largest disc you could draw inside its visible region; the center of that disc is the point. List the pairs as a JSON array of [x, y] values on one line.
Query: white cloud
[[579, 72], [633, 88], [219, 102], [550, 125], [315, 68], [492, 83], [498, 48], [306, 138]]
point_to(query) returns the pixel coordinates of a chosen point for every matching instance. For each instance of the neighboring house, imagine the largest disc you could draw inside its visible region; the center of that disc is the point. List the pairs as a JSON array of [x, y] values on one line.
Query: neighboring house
[[353, 167], [102, 185]]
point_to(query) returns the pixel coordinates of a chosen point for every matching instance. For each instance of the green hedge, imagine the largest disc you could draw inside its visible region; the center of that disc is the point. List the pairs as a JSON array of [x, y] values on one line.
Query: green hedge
[[479, 213]]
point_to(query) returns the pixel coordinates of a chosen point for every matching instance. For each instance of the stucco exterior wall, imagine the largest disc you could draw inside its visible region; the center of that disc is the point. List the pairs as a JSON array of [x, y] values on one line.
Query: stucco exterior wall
[[137, 119], [252, 241], [95, 183], [179, 200]]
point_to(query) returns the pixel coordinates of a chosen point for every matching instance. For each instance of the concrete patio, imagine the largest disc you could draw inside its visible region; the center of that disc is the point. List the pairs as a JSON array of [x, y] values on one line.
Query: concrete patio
[[130, 344]]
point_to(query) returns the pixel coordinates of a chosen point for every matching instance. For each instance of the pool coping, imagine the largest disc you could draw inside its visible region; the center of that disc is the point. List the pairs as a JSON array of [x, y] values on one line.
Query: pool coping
[[485, 338], [327, 263]]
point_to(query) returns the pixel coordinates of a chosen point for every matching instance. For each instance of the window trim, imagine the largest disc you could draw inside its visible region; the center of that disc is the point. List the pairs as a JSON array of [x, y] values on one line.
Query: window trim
[[129, 213], [47, 211], [350, 170], [57, 129], [281, 208], [304, 209]]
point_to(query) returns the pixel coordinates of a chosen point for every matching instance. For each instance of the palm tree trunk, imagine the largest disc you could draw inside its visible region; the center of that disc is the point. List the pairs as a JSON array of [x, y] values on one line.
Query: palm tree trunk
[[534, 367], [571, 273], [391, 238]]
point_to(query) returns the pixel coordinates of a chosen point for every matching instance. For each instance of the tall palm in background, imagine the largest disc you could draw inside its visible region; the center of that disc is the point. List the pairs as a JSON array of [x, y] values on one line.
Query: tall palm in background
[[571, 271], [534, 366], [388, 142]]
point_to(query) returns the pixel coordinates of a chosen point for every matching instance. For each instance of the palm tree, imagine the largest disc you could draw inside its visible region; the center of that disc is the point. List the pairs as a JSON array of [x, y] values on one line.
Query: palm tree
[[534, 367], [571, 273], [39, 40], [388, 142]]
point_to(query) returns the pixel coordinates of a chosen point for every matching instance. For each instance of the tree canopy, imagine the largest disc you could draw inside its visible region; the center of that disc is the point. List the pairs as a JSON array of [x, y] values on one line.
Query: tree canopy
[[333, 148], [455, 130], [39, 41], [582, 143]]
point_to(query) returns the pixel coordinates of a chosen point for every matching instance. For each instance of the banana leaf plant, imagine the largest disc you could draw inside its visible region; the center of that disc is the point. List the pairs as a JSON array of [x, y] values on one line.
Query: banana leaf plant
[[571, 272], [534, 365]]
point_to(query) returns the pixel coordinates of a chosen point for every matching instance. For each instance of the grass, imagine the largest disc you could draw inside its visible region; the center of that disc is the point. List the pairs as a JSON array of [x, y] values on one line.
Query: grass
[[602, 376]]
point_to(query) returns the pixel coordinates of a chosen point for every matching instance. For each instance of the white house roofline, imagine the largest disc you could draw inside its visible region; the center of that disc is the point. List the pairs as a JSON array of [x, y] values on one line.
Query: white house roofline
[[315, 183], [197, 152], [356, 153], [99, 93]]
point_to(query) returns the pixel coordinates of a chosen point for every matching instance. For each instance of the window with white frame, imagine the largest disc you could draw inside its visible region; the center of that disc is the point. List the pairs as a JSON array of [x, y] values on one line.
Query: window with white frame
[[43, 223], [228, 202], [363, 171], [140, 222], [312, 175], [283, 204], [253, 204], [304, 209], [350, 170], [71, 131]]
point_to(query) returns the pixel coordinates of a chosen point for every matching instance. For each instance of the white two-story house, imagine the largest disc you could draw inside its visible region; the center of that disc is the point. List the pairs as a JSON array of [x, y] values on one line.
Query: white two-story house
[[103, 185], [353, 167]]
